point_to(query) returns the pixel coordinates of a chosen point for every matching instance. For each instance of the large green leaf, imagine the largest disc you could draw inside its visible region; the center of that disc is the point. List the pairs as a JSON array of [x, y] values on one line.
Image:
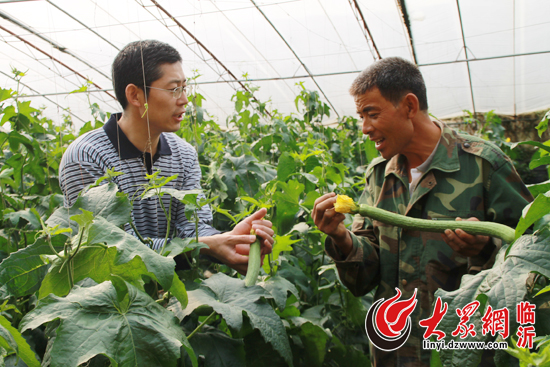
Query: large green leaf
[[135, 332], [218, 349], [285, 167], [288, 204], [246, 172], [261, 354], [26, 215], [533, 212], [504, 285], [95, 262], [315, 341], [128, 247], [279, 287], [104, 201], [22, 272], [17, 343], [282, 243], [230, 298]]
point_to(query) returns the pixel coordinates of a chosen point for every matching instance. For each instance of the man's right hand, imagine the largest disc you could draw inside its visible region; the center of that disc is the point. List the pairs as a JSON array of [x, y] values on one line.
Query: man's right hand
[[332, 223]]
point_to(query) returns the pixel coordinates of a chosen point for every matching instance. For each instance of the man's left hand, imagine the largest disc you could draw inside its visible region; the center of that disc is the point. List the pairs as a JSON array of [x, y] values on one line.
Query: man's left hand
[[263, 229], [465, 244]]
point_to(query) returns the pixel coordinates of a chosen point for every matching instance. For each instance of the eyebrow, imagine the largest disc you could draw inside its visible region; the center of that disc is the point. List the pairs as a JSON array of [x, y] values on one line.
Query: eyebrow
[[367, 109], [177, 81]]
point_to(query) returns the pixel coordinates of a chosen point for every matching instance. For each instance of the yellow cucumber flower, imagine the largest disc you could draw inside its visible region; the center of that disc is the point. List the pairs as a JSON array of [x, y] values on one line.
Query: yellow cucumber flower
[[344, 204]]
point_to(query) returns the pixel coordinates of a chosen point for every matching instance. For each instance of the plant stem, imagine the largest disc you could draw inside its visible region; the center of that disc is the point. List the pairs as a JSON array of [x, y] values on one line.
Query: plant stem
[[196, 226], [71, 257], [168, 220], [49, 240], [197, 329], [137, 232]]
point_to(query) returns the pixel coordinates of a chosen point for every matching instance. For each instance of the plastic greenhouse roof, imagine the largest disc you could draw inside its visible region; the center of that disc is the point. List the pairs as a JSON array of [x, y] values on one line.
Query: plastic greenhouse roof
[[475, 55]]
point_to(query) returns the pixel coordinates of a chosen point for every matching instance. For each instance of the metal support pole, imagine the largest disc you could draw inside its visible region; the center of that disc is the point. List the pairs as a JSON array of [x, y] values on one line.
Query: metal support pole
[[54, 59]]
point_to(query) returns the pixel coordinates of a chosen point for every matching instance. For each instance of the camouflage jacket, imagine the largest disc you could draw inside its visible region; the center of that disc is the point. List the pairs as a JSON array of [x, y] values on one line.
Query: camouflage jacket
[[468, 177]]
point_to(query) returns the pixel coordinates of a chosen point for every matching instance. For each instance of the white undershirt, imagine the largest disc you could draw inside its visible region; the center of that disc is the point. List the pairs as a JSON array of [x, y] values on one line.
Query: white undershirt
[[417, 172]]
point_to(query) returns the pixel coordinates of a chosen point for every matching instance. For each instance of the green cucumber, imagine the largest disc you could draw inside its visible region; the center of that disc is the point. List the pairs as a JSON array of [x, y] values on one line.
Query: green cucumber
[[501, 231], [254, 260]]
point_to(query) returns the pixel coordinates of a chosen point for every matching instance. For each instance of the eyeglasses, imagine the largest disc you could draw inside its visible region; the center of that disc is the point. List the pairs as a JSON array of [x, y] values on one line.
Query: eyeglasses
[[176, 92]]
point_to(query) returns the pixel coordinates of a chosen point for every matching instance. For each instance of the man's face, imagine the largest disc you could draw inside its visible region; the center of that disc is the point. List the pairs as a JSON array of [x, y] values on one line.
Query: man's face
[[166, 112], [385, 124]]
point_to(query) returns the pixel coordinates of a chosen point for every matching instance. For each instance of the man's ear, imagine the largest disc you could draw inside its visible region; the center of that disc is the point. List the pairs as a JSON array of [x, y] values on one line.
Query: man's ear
[[411, 104], [135, 95]]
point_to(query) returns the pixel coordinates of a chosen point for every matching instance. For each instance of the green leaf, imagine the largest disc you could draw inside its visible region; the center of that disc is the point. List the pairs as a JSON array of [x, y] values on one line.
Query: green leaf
[[22, 348], [182, 245], [288, 204], [95, 262], [22, 272], [230, 298], [245, 172], [5, 94], [128, 247], [279, 287], [539, 188], [82, 89], [542, 126], [178, 290], [104, 201], [504, 285], [260, 353], [26, 215], [218, 348], [355, 310], [282, 243], [7, 340], [94, 322], [285, 167], [539, 162], [9, 112], [84, 220], [315, 340], [533, 143], [178, 194], [533, 212], [309, 201], [544, 290], [6, 173]]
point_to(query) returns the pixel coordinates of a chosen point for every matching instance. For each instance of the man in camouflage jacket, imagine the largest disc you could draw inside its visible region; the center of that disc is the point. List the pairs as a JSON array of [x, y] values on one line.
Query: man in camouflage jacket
[[460, 176]]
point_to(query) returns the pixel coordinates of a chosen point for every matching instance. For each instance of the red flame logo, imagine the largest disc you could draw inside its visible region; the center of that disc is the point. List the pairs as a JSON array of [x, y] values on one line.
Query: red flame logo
[[388, 323]]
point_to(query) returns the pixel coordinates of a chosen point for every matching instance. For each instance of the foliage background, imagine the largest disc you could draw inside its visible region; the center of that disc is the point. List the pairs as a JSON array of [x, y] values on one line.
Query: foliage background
[[299, 314]]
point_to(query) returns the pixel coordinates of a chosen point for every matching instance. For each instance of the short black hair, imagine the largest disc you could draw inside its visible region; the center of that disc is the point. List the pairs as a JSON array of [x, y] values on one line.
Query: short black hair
[[394, 77], [140, 60]]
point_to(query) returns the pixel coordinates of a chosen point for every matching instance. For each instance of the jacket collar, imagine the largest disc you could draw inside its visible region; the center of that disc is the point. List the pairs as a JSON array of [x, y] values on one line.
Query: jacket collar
[[124, 146], [445, 157]]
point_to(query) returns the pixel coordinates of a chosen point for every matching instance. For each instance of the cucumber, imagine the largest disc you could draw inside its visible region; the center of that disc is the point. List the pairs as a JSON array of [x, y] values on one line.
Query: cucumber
[[254, 260], [501, 231]]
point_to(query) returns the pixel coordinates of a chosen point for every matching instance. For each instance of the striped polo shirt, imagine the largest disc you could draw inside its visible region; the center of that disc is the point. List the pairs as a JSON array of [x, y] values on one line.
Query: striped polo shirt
[[89, 157]]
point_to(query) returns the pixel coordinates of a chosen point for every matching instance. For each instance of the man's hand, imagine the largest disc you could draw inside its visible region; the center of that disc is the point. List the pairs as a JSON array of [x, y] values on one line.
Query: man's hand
[[232, 248], [330, 222], [465, 244]]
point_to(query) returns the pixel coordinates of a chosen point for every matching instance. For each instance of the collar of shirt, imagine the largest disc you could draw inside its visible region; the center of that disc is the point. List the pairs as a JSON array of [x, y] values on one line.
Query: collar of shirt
[[124, 146], [444, 158]]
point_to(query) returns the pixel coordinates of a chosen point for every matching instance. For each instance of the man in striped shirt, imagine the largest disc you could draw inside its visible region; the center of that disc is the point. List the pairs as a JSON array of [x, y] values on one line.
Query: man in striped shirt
[[151, 87]]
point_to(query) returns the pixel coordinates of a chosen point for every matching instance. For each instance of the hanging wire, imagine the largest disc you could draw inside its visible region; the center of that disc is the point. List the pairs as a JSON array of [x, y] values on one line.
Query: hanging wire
[[337, 33], [297, 57], [252, 45], [203, 48], [50, 42], [467, 60]]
